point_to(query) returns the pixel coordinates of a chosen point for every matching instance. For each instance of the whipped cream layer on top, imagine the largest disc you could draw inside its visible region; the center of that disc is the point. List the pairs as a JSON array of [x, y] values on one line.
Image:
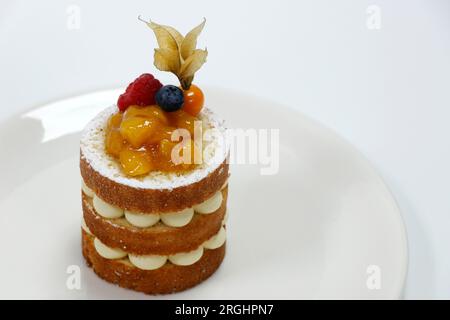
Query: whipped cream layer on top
[[153, 262], [171, 219], [216, 149]]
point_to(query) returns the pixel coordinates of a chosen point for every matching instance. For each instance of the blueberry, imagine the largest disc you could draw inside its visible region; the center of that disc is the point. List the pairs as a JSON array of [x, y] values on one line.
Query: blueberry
[[169, 98]]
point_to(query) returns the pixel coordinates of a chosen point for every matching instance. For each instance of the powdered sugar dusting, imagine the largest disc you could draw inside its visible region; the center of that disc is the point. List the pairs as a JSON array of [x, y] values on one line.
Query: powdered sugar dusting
[[93, 151]]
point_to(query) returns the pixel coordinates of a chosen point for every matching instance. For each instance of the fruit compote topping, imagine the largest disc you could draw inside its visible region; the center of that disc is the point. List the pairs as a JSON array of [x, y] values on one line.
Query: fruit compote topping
[[144, 135]]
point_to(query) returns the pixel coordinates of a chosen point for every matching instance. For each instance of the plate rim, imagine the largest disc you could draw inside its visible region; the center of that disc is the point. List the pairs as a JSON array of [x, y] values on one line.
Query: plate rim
[[400, 283]]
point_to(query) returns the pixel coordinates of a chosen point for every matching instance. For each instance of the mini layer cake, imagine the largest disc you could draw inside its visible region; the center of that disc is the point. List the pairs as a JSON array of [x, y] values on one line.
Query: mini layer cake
[[160, 233], [151, 222]]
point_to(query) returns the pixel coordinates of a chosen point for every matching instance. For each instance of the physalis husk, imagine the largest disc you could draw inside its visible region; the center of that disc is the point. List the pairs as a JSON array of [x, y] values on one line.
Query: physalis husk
[[178, 54]]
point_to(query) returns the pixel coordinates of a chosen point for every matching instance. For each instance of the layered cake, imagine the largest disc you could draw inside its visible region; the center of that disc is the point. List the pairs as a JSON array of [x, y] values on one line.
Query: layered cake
[[155, 178]]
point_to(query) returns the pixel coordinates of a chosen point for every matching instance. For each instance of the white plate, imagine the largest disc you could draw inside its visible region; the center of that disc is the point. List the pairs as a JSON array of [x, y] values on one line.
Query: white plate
[[325, 226]]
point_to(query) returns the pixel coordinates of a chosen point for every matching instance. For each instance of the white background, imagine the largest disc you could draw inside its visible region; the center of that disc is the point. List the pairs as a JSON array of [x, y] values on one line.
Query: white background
[[387, 91]]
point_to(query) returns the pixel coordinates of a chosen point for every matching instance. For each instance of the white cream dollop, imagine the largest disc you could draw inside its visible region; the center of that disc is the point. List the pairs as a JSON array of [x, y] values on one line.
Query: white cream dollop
[[142, 220], [210, 205], [178, 219], [107, 252], [87, 191], [85, 227], [105, 209], [147, 262], [225, 218], [225, 184], [187, 258], [217, 240]]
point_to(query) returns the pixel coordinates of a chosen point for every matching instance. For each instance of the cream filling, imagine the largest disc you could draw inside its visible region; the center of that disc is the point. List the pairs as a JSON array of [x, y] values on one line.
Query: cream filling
[[210, 205], [141, 220], [178, 219], [224, 185], [225, 218], [148, 262], [187, 258], [107, 252], [216, 241], [105, 209], [152, 262], [85, 227], [87, 191]]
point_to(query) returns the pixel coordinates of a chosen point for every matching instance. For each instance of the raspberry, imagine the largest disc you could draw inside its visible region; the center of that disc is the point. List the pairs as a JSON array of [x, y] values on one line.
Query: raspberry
[[140, 92]]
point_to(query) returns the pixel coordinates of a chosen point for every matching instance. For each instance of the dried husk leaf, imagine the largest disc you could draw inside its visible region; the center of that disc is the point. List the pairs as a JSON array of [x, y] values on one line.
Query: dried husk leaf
[[165, 38], [189, 42], [178, 54], [194, 62], [175, 34], [167, 60]]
